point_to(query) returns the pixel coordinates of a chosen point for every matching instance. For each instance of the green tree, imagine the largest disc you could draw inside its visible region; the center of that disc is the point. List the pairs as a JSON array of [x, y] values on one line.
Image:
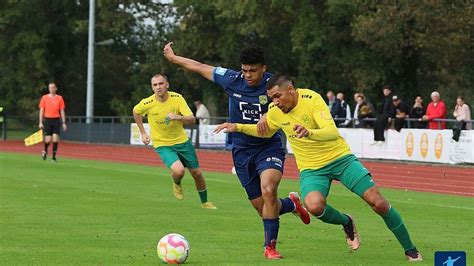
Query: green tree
[[425, 45]]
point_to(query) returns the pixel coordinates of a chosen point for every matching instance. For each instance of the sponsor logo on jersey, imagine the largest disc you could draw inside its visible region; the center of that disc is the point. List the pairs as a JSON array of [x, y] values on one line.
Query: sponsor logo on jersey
[[250, 111], [237, 95], [306, 119]]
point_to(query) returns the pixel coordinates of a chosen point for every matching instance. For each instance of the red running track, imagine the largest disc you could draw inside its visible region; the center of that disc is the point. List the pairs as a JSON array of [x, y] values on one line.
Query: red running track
[[445, 179]]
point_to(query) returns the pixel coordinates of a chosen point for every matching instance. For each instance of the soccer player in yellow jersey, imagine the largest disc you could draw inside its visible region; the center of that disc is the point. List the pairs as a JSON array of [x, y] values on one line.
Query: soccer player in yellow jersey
[[167, 112], [322, 155]]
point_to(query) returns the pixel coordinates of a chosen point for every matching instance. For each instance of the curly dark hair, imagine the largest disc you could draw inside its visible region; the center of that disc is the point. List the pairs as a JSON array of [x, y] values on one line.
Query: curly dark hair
[[252, 55]]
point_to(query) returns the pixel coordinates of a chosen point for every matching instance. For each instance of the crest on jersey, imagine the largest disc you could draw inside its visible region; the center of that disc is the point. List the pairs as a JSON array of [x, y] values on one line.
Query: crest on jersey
[[306, 119], [263, 99]]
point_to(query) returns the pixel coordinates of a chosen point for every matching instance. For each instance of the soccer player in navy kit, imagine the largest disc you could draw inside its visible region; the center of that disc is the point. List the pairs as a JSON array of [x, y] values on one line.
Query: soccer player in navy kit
[[258, 161]]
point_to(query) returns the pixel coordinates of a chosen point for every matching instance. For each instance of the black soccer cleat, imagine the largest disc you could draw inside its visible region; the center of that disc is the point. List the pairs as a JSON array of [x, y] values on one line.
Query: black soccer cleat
[[44, 154], [413, 255]]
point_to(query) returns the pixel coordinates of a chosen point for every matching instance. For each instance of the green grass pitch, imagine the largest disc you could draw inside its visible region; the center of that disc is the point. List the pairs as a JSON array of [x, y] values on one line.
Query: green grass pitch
[[90, 212]]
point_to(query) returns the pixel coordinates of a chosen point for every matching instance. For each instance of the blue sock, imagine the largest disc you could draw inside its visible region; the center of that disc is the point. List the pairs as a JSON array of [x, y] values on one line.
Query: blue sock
[[271, 227], [286, 206]]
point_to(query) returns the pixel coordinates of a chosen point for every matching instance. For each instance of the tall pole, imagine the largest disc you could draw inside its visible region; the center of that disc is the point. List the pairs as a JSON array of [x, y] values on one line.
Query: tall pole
[[90, 63]]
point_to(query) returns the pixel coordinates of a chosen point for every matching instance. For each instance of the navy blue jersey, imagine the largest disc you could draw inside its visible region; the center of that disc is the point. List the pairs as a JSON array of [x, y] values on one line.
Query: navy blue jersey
[[246, 104]]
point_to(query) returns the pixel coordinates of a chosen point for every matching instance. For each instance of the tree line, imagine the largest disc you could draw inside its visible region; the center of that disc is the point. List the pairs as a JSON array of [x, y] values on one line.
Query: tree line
[[346, 46]]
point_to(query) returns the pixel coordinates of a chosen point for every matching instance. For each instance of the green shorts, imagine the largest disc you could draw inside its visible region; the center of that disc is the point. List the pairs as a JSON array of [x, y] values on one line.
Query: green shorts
[[184, 152], [347, 169]]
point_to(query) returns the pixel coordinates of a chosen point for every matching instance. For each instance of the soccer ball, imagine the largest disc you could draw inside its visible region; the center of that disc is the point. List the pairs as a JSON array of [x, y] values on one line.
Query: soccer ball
[[173, 249]]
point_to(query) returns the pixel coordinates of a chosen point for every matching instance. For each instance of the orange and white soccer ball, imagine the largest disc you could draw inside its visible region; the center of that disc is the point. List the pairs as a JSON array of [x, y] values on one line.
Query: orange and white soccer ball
[[173, 249]]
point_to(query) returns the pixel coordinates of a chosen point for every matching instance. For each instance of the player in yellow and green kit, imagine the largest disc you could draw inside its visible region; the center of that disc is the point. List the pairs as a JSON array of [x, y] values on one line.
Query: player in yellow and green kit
[[322, 155], [167, 112]]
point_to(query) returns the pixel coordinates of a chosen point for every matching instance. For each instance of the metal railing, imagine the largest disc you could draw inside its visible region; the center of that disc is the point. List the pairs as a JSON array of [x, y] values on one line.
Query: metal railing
[[19, 127], [410, 122], [129, 119]]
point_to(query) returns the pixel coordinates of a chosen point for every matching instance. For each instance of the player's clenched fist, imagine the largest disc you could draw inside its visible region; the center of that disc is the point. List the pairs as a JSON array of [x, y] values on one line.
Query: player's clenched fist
[[229, 128], [300, 131], [145, 139], [262, 126], [168, 51], [173, 116]]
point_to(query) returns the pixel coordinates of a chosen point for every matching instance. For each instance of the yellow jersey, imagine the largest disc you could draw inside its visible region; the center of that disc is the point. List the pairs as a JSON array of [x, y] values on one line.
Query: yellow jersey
[[164, 132], [322, 146]]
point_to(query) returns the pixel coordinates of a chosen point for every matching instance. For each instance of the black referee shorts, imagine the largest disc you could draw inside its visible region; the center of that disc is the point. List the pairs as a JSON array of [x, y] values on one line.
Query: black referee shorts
[[51, 126]]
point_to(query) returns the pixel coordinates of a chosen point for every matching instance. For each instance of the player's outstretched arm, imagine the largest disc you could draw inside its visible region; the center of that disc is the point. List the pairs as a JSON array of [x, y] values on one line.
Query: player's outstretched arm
[[227, 127], [325, 133], [187, 63], [247, 129], [327, 130]]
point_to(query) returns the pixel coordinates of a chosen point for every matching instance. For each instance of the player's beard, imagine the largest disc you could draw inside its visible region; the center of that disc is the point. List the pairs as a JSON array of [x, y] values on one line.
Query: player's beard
[[285, 109]]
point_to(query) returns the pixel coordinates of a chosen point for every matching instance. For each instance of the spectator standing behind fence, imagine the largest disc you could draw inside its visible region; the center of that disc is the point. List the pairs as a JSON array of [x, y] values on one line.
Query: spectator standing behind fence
[[334, 105], [363, 111], [400, 111], [417, 112], [382, 119], [356, 110], [370, 112], [202, 113], [435, 110], [51, 118], [462, 112], [345, 111]]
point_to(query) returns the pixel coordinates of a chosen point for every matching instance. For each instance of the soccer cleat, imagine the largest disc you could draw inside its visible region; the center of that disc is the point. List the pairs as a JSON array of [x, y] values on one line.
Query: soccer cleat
[[178, 191], [209, 205], [54, 160], [413, 255], [299, 209], [352, 237], [271, 253], [44, 154]]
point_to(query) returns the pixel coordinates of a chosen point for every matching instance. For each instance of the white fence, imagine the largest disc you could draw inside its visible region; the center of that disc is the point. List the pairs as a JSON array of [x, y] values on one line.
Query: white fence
[[207, 139], [421, 145]]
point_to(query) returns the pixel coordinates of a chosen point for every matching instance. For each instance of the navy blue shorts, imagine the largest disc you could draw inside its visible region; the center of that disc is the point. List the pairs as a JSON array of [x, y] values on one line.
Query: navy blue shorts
[[251, 162]]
